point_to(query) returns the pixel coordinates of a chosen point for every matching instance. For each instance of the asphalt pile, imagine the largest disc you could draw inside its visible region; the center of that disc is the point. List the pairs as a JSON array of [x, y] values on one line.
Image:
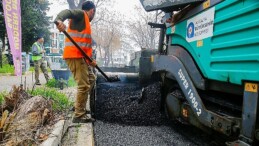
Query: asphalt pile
[[129, 105]]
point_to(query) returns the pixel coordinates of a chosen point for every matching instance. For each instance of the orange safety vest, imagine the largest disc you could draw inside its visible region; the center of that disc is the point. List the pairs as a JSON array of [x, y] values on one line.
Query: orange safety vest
[[83, 39]]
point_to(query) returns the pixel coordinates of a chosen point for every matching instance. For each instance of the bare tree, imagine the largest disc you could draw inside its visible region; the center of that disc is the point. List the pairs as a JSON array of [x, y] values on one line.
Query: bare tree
[[108, 36], [140, 32], [111, 33]]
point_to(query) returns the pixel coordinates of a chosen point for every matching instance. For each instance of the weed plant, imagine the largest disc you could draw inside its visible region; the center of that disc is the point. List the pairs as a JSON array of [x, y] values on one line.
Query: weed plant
[[2, 95], [6, 68], [60, 100], [54, 83]]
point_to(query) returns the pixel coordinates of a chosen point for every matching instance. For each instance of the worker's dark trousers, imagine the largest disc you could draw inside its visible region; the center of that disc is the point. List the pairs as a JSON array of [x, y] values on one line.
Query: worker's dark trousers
[[40, 64]]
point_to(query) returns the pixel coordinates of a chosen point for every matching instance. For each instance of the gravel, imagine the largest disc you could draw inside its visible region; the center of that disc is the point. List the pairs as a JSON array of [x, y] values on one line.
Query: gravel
[[123, 120]]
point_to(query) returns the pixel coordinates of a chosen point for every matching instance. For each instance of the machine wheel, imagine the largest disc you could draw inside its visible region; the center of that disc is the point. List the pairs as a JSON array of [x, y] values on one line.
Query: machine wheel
[[166, 112], [174, 100]]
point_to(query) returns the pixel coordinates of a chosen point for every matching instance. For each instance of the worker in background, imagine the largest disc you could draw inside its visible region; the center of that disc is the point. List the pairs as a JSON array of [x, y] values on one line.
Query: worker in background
[[38, 59], [80, 30]]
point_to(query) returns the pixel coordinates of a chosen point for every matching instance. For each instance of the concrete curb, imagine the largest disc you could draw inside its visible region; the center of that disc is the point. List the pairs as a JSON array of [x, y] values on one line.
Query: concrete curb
[[85, 135], [86, 131], [56, 135]]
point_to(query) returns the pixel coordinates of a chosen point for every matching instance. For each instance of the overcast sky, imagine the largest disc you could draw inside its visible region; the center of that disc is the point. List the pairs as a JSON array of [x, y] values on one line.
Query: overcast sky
[[55, 8], [126, 6], [123, 6]]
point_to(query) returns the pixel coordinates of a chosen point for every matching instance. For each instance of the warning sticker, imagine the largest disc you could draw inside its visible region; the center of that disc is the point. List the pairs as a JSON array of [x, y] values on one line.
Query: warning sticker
[[251, 87], [200, 26]]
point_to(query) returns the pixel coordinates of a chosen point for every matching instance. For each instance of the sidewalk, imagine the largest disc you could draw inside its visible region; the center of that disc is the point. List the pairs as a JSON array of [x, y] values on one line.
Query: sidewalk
[[78, 134], [7, 81]]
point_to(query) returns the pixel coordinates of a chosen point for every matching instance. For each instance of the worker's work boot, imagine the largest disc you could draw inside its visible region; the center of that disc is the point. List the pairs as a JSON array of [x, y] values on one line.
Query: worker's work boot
[[83, 119], [73, 109]]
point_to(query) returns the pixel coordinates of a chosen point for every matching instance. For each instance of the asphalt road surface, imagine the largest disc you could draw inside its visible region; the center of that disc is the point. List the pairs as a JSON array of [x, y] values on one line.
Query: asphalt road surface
[[124, 119]]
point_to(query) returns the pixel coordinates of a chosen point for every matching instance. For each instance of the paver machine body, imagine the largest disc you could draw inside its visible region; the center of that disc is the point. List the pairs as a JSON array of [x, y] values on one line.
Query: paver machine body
[[209, 53]]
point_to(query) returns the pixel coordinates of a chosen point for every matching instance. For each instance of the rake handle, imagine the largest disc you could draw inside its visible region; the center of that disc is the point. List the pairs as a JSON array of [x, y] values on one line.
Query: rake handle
[[83, 53]]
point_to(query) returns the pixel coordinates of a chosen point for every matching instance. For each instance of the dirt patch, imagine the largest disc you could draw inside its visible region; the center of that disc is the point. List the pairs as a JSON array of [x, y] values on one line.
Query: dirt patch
[[71, 135]]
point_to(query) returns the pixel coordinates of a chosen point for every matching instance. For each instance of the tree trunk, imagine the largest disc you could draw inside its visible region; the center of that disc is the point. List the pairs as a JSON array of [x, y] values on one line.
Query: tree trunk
[[105, 58], [108, 57], [30, 115], [72, 4], [3, 41], [100, 50], [111, 59]]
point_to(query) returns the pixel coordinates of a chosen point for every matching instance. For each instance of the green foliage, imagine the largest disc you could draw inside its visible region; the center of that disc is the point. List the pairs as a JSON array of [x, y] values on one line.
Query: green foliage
[[71, 82], [4, 59], [34, 21], [54, 83], [60, 100], [2, 95], [7, 69], [51, 83]]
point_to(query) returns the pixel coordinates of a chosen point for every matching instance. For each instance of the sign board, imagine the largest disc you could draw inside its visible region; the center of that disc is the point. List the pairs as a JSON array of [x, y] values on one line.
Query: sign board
[[12, 15], [200, 26]]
